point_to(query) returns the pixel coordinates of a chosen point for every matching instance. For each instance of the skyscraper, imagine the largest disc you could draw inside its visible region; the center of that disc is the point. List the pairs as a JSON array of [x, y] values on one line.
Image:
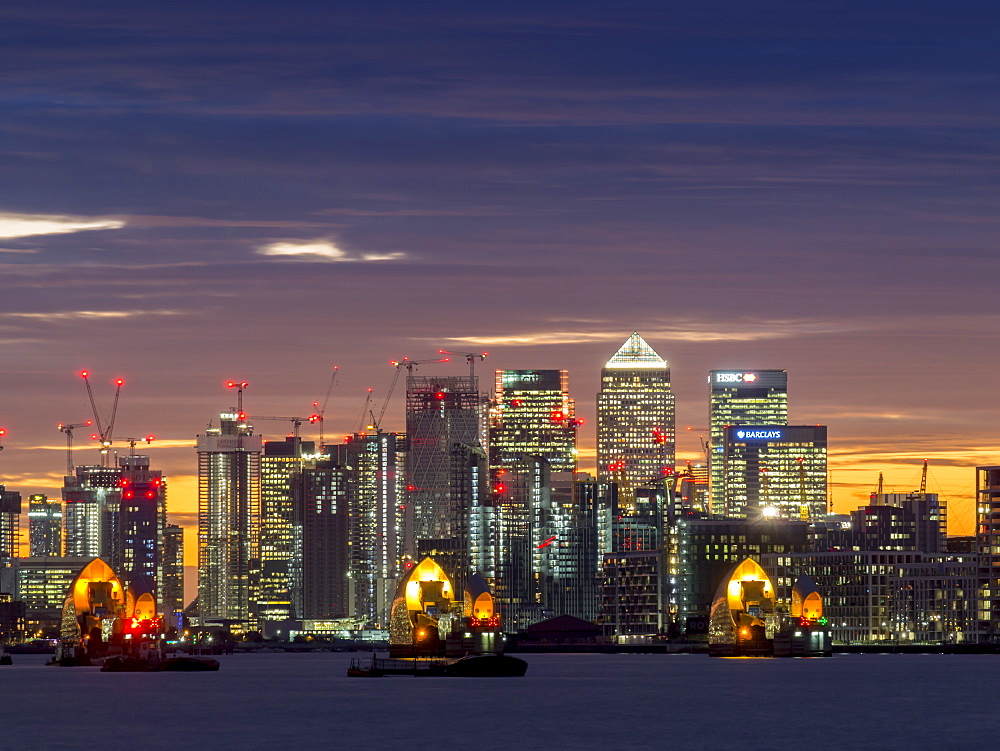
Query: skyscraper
[[533, 415], [91, 514], [635, 417], [228, 517], [141, 518], [777, 470], [321, 559], [10, 515], [171, 577], [442, 426], [741, 397], [280, 461], [374, 467], [44, 525]]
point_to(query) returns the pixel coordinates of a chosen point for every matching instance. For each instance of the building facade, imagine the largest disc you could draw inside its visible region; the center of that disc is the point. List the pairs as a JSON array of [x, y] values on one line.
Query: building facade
[[44, 526], [635, 417], [321, 559], [532, 414], [10, 524], [776, 470], [228, 521], [741, 397]]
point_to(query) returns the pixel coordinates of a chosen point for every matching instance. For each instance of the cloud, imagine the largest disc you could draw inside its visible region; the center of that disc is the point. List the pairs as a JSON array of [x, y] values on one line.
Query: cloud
[[321, 250], [18, 250], [28, 225], [693, 331], [70, 315]]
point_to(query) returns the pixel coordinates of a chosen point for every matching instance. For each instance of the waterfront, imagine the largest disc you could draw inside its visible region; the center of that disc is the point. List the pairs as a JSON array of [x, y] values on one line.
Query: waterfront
[[565, 701]]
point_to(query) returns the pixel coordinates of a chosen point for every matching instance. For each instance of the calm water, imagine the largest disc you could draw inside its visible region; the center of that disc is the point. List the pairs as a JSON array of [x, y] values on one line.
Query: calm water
[[565, 702]]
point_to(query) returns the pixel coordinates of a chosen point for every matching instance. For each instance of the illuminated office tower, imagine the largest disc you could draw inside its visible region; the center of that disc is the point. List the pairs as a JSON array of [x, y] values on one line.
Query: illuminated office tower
[[44, 525], [988, 542], [442, 426], [374, 467], [171, 575], [635, 417], [321, 558], [141, 519], [775, 470], [741, 397], [228, 518], [91, 514], [10, 515], [279, 462], [533, 415]]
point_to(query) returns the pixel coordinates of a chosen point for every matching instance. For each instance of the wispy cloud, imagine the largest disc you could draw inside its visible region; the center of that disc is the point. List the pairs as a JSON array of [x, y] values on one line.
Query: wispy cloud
[[692, 331], [321, 250], [29, 225], [69, 315]]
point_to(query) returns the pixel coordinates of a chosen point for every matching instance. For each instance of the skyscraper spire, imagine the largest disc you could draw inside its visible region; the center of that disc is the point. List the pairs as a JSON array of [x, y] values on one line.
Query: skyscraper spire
[[636, 353]]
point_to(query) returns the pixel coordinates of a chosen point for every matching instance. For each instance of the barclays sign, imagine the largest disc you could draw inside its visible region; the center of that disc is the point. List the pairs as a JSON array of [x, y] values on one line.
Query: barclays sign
[[758, 435]]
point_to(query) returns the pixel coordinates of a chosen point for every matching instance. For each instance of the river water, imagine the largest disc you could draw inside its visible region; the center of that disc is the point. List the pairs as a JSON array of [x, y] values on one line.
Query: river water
[[292, 701]]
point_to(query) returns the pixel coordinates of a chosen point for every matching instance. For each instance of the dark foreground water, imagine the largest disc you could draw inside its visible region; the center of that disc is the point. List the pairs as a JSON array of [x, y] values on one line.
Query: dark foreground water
[[299, 701]]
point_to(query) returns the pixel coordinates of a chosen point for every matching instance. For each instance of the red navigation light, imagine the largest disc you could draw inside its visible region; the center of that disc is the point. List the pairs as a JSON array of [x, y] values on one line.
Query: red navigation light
[[439, 395], [93, 436], [516, 403], [119, 382], [402, 507], [129, 493], [314, 418], [3, 431], [410, 488], [242, 415], [84, 374], [157, 481], [408, 565], [580, 421], [124, 482], [558, 416], [150, 494], [500, 487], [149, 438]]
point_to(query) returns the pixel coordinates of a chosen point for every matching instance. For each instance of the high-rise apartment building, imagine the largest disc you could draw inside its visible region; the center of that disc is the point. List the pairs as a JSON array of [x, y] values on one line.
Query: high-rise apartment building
[[321, 560], [988, 541], [281, 460], [44, 525], [142, 516], [376, 494], [10, 516], [741, 397], [777, 470], [228, 519], [533, 415], [930, 518], [171, 579], [442, 427], [635, 417], [91, 514]]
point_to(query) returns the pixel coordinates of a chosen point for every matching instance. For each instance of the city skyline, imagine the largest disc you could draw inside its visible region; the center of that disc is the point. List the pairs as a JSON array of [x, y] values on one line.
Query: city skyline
[[191, 199]]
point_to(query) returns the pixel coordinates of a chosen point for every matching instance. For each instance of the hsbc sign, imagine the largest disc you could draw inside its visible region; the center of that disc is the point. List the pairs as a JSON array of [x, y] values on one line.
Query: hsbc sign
[[735, 377]]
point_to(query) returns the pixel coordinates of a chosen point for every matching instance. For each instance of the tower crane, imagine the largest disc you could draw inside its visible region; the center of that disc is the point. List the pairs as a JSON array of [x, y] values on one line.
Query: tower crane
[[240, 387], [321, 411], [2, 434], [878, 488], [409, 364], [296, 421], [132, 441], [470, 357], [923, 480], [68, 430], [104, 430]]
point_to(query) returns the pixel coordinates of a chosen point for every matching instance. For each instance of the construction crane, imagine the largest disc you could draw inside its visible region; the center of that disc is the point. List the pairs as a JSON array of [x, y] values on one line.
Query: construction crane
[[409, 364], [2, 434], [68, 430], [296, 421], [132, 441], [104, 430], [321, 411], [881, 481], [923, 480], [240, 387], [470, 357]]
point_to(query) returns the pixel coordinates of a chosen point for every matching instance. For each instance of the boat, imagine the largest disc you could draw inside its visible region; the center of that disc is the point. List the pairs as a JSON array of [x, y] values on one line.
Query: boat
[[472, 666]]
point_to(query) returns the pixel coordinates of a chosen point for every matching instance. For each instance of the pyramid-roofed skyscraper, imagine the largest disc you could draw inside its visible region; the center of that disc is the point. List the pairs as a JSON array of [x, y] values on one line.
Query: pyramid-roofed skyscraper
[[635, 417]]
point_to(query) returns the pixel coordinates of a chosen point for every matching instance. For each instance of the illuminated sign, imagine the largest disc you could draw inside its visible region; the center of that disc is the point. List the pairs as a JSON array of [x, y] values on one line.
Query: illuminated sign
[[735, 377], [758, 435]]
